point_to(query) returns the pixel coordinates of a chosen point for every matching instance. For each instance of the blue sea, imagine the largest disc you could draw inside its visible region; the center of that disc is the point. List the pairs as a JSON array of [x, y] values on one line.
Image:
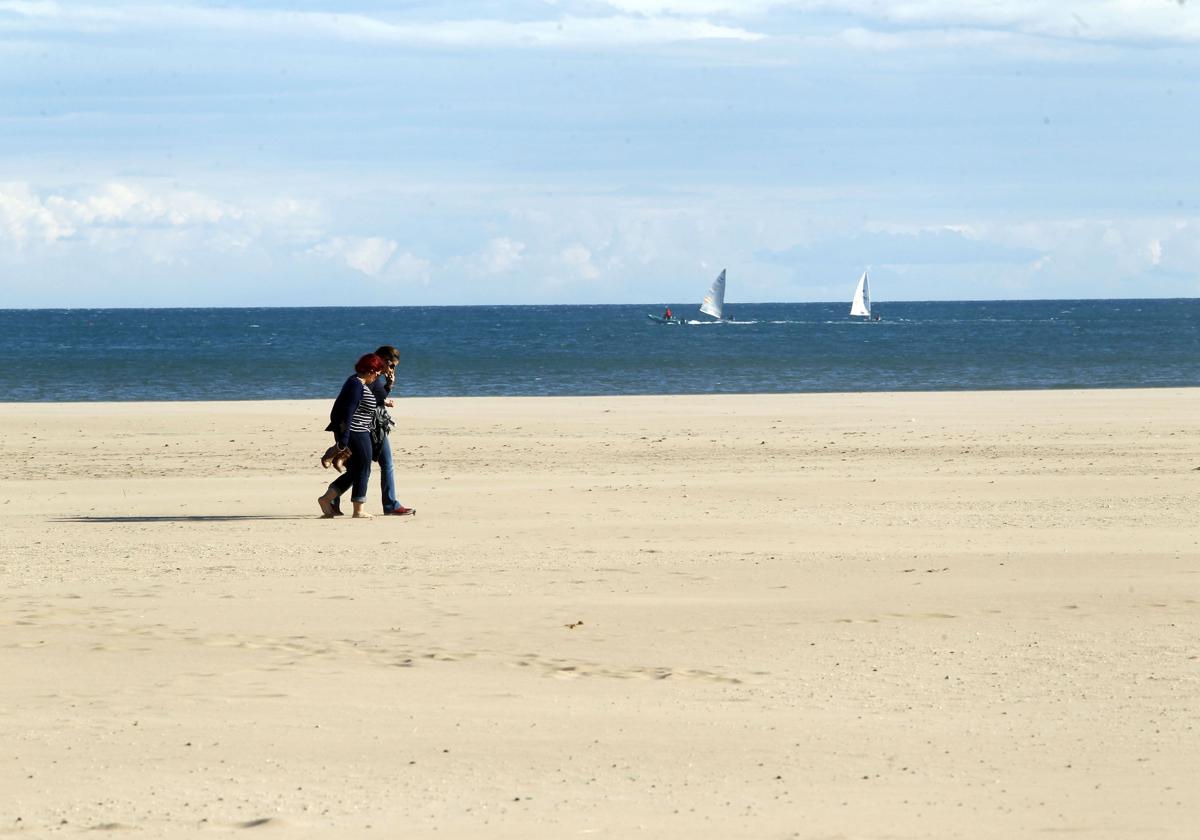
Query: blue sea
[[302, 353]]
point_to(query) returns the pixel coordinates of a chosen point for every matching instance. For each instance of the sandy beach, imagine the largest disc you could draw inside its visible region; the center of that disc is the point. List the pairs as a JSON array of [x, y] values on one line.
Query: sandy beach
[[956, 615]]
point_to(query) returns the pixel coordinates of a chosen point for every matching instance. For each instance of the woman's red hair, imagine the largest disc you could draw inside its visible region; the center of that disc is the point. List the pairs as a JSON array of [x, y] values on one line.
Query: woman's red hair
[[369, 363]]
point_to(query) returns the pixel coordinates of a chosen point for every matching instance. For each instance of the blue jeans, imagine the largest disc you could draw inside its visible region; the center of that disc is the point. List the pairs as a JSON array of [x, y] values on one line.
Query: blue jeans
[[387, 477], [358, 468]]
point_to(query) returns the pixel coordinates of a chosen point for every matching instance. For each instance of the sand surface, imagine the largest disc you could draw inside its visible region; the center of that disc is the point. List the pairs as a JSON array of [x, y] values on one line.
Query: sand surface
[[971, 615]]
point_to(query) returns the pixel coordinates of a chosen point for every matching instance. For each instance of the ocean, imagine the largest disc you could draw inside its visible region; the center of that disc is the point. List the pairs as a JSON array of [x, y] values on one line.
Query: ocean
[[306, 353]]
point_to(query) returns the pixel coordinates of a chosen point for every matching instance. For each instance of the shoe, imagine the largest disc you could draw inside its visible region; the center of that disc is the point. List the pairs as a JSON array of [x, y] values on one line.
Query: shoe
[[401, 511], [336, 458]]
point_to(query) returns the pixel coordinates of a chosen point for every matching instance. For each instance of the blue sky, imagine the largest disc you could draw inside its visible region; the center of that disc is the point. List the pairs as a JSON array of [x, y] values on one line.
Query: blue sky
[[596, 151]]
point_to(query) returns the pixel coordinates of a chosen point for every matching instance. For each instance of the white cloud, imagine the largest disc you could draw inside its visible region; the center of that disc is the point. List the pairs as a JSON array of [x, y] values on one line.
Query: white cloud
[[151, 225], [1104, 257], [1168, 21], [366, 254], [23, 215], [1179, 251], [567, 32], [405, 269], [26, 216], [578, 261], [876, 40], [450, 30], [501, 254], [30, 8], [377, 258], [167, 246], [1119, 20], [741, 8], [861, 24]]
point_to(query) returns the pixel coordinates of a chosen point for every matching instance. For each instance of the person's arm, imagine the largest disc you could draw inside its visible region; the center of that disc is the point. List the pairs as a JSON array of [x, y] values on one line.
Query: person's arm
[[352, 391], [381, 390]]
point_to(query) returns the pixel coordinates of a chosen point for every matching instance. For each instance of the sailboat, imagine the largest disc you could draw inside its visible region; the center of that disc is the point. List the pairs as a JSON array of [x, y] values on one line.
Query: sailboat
[[713, 304], [714, 301], [862, 298]]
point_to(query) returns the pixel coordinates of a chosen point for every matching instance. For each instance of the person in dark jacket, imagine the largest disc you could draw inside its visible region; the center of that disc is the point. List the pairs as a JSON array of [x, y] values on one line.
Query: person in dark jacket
[[382, 387], [350, 421]]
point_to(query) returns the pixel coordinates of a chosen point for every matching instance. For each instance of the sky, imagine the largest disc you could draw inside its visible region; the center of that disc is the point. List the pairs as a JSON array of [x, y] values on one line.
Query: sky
[[316, 153]]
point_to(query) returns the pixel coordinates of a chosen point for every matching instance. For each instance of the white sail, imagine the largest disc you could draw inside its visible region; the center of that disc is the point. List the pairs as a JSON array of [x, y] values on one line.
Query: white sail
[[862, 298], [714, 301]]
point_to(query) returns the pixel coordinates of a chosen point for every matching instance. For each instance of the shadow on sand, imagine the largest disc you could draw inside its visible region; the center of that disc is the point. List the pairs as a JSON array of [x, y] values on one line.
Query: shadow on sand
[[212, 518]]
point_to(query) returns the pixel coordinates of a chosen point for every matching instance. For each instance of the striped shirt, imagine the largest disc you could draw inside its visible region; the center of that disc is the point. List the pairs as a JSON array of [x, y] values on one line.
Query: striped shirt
[[364, 415]]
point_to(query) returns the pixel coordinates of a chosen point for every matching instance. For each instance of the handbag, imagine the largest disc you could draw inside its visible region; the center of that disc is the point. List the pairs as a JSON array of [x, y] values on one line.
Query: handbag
[[381, 425]]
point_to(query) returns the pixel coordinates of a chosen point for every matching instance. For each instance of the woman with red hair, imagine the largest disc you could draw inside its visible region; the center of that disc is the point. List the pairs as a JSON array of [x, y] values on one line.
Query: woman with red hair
[[350, 421]]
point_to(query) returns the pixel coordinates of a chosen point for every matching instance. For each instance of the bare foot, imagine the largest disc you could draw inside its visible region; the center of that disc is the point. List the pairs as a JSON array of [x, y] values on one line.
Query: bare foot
[[326, 507], [363, 515]]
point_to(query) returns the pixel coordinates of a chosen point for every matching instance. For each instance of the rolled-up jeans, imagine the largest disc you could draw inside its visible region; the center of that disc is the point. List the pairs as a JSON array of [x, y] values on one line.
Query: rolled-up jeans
[[358, 468]]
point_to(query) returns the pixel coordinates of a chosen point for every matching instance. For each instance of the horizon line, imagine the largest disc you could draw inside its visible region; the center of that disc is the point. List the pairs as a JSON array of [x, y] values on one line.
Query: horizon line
[[839, 302]]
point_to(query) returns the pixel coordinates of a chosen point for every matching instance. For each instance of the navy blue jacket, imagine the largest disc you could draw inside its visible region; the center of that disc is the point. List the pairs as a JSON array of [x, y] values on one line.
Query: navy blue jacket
[[343, 409]]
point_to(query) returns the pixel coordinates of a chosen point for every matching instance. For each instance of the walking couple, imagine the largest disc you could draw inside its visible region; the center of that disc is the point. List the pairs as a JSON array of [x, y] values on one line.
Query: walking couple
[[360, 425]]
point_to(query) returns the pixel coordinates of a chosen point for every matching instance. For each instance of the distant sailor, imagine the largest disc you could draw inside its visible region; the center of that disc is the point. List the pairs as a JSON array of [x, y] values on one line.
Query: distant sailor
[[667, 314]]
